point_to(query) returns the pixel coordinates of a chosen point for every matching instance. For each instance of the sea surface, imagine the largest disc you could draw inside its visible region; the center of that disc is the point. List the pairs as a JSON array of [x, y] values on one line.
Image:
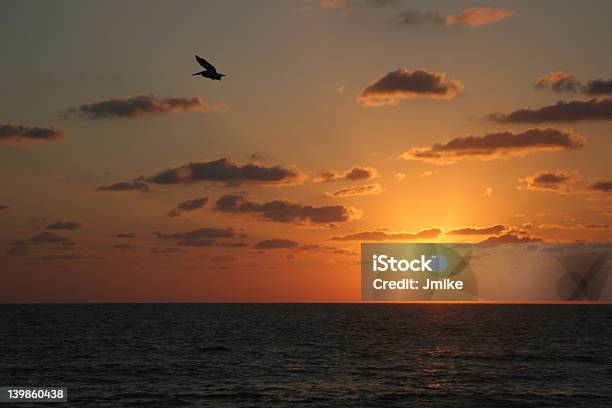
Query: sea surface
[[320, 355]]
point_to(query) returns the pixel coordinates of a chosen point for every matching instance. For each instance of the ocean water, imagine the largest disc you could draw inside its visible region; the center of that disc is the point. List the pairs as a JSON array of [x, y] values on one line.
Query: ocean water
[[354, 355]]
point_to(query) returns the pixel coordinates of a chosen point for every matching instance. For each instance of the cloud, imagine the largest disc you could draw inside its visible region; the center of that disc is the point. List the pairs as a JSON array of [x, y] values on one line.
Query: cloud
[[400, 176], [371, 189], [188, 205], [48, 238], [549, 180], [390, 236], [204, 237], [496, 229], [199, 233], [559, 81], [511, 238], [126, 235], [4, 207], [20, 134], [602, 186], [275, 244], [412, 17], [496, 145], [573, 111], [600, 87], [472, 17], [352, 174], [403, 84], [286, 211], [478, 16], [125, 186], [138, 106], [226, 172], [64, 225]]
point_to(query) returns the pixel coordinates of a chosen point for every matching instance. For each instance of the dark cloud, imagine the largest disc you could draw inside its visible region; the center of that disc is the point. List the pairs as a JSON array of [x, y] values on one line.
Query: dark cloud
[[200, 233], [125, 186], [390, 236], [403, 84], [204, 238], [496, 229], [371, 189], [126, 235], [4, 207], [496, 145], [20, 134], [353, 174], [549, 180], [573, 111], [412, 17], [472, 17], [124, 247], [188, 205], [559, 81], [286, 211], [511, 238], [64, 225], [382, 3], [275, 244], [603, 186], [226, 172], [138, 106], [600, 87], [48, 238]]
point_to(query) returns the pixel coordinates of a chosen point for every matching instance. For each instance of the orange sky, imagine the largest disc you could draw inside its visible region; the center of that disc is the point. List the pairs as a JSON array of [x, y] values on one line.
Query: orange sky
[[339, 122]]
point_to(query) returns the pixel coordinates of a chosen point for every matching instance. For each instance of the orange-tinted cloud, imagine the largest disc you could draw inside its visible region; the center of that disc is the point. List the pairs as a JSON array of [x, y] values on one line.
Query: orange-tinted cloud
[[478, 16], [390, 236], [204, 237], [370, 189], [48, 238], [188, 205], [604, 186], [496, 145], [275, 244], [559, 81], [125, 187], [496, 229], [286, 211], [549, 180], [139, 106], [353, 174], [226, 172], [472, 17], [404, 84], [573, 111], [511, 238], [23, 135]]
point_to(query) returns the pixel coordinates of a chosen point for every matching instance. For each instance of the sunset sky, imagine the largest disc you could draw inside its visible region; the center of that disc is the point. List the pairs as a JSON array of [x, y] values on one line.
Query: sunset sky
[[339, 122]]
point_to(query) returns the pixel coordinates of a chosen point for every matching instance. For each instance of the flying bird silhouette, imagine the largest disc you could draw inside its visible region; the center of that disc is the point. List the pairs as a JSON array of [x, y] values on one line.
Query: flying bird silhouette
[[210, 71]]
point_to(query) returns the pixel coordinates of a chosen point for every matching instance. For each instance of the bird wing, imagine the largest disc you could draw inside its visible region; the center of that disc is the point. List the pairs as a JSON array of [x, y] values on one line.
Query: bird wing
[[207, 65]]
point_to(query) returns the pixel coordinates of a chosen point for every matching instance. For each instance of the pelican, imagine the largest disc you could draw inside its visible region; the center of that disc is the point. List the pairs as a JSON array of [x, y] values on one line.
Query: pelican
[[209, 72]]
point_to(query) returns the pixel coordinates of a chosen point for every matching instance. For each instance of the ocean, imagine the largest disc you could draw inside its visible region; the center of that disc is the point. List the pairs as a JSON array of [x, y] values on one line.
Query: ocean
[[311, 355]]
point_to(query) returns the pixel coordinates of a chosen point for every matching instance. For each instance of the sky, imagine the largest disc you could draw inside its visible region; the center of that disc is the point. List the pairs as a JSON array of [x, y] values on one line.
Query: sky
[[127, 179]]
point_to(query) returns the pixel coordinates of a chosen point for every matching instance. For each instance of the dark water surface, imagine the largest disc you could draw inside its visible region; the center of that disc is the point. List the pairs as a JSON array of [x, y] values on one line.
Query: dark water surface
[[311, 355]]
